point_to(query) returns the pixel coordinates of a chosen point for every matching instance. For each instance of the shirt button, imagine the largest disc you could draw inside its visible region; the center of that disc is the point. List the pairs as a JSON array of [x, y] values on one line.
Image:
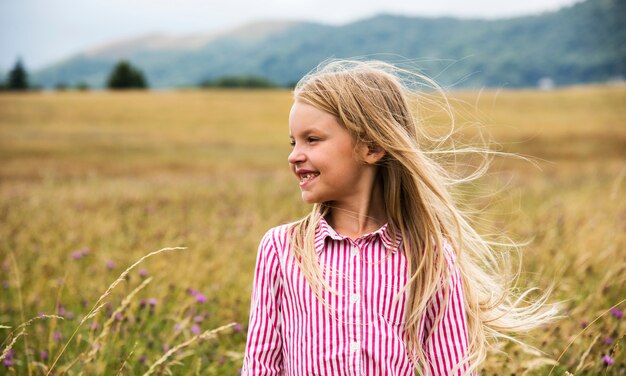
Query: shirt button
[[354, 346], [354, 298]]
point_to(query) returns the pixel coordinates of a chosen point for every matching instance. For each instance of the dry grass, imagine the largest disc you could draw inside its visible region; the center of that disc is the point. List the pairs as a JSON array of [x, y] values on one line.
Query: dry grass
[[119, 173]]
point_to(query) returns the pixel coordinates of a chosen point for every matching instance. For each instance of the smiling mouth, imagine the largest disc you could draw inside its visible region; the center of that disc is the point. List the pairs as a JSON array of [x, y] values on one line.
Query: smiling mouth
[[305, 178]]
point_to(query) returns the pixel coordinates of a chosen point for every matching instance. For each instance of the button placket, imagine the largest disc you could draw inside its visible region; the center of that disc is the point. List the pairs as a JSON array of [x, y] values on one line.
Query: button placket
[[354, 298], [355, 250], [354, 346]]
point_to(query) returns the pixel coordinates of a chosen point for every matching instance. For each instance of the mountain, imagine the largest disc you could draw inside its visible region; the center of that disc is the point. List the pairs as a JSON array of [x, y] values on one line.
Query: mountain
[[582, 43]]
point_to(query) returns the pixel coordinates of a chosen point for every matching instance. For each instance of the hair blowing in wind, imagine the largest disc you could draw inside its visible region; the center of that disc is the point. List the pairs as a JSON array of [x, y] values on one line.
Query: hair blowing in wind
[[378, 104]]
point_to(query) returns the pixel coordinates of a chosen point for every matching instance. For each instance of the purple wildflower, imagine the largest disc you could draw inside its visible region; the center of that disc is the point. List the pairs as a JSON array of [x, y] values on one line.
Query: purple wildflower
[[608, 340], [77, 255], [177, 328], [198, 319], [142, 359], [110, 264], [57, 336], [44, 355], [195, 329], [607, 360], [617, 313], [142, 303], [200, 298], [8, 360], [152, 302], [237, 328], [119, 316], [94, 326], [143, 273], [584, 324]]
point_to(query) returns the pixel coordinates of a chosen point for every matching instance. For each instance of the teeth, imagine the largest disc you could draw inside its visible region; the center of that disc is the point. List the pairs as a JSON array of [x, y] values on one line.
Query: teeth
[[308, 177]]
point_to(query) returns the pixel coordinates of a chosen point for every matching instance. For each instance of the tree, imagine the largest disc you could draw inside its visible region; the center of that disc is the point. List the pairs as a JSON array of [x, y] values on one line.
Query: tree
[[251, 82], [60, 86], [18, 77], [125, 76], [82, 86]]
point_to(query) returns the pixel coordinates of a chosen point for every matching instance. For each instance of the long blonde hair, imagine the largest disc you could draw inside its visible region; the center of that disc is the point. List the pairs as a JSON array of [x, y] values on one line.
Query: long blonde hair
[[371, 101]]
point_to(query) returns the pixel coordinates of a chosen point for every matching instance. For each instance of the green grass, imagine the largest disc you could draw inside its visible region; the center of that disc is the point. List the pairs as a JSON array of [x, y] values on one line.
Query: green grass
[[125, 174]]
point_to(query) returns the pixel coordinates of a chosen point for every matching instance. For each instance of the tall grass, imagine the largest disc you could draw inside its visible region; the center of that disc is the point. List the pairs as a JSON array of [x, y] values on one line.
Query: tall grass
[[90, 181]]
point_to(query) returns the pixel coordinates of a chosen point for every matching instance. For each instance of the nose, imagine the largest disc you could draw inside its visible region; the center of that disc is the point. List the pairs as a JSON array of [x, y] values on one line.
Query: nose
[[296, 156]]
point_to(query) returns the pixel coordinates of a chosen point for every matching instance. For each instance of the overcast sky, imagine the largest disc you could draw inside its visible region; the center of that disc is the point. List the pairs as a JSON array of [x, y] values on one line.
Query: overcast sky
[[45, 31]]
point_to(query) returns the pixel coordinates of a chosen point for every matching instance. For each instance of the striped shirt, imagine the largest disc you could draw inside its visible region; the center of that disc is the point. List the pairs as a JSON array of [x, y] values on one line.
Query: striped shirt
[[291, 332]]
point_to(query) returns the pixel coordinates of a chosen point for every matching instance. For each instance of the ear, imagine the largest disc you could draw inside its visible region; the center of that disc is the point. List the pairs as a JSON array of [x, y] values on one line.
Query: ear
[[372, 153]]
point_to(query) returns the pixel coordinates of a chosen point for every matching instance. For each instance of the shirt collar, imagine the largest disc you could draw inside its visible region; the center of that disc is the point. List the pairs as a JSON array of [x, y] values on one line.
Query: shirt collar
[[324, 230]]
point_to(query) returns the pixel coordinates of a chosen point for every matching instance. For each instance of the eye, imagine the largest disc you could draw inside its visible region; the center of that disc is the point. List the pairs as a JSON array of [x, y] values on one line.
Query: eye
[[312, 139], [292, 143]]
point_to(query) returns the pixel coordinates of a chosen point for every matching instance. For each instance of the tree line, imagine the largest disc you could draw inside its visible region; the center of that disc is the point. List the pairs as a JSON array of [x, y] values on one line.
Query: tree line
[[123, 76], [126, 76]]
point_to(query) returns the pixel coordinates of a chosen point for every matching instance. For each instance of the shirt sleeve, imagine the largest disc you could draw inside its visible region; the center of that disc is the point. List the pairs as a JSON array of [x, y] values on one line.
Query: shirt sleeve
[[447, 346], [263, 355]]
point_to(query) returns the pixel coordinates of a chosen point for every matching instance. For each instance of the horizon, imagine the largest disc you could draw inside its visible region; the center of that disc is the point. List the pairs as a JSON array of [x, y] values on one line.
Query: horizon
[[69, 33]]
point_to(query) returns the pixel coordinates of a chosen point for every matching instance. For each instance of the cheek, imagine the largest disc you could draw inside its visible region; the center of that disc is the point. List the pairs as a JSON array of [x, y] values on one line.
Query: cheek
[[344, 174]]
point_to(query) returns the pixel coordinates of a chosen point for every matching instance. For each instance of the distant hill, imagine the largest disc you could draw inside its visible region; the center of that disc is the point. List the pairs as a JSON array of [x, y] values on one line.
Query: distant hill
[[583, 43]]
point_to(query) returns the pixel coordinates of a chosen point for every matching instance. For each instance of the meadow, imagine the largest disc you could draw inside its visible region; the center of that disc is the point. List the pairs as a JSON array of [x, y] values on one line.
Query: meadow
[[92, 182]]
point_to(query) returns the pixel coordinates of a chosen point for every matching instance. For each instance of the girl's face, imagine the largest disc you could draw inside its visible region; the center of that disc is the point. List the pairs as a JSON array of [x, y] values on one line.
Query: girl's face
[[324, 158]]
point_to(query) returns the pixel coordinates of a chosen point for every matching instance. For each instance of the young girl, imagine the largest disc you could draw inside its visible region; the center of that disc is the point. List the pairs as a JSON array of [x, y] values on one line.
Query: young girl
[[385, 276]]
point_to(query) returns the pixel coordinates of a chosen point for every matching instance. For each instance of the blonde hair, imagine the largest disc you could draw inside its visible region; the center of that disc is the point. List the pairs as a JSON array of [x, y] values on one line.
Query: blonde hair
[[370, 100]]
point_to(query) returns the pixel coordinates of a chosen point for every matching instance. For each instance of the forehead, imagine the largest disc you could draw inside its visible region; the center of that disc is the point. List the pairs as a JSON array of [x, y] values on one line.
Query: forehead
[[305, 118]]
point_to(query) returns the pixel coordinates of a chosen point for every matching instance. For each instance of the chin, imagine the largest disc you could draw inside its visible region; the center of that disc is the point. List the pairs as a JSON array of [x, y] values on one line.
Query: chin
[[310, 199]]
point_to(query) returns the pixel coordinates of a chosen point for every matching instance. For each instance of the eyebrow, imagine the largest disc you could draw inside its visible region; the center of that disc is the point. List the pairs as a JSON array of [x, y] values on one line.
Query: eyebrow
[[307, 132]]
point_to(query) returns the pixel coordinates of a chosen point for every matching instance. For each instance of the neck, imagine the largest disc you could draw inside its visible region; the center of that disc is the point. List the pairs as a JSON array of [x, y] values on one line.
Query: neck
[[364, 214]]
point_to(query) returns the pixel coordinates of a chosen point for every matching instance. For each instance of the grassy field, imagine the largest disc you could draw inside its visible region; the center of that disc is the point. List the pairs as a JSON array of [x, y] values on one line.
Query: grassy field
[[91, 182]]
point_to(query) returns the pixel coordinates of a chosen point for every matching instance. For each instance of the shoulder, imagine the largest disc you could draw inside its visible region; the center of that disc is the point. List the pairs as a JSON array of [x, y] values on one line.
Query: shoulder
[[449, 252], [450, 278], [278, 237], [448, 249]]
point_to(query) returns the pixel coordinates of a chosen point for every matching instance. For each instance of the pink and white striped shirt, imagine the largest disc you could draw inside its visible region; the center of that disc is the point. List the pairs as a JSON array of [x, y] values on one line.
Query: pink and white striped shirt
[[291, 332]]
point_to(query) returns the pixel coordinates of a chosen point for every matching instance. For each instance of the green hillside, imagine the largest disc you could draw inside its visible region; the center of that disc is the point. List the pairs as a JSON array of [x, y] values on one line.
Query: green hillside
[[582, 43]]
